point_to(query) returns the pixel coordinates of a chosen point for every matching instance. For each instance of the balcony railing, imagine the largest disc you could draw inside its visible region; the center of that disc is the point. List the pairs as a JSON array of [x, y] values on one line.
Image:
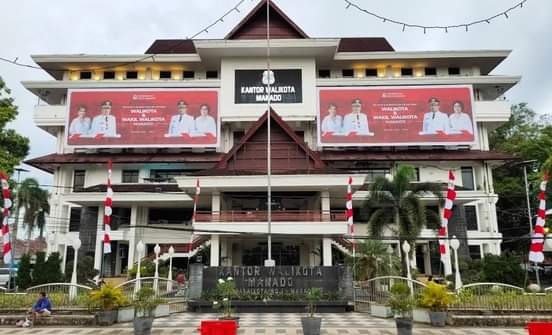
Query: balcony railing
[[277, 216]]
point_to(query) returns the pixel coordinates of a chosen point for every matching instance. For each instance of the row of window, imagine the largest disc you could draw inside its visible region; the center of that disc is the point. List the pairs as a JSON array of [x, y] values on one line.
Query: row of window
[[86, 75], [373, 72]]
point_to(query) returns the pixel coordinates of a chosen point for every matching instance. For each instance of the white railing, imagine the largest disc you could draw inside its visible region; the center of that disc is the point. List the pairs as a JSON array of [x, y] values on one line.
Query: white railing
[[377, 290]]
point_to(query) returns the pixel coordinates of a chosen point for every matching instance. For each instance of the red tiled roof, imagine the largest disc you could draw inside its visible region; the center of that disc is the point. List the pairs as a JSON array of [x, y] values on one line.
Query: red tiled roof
[[415, 155], [182, 46], [364, 44], [122, 188]]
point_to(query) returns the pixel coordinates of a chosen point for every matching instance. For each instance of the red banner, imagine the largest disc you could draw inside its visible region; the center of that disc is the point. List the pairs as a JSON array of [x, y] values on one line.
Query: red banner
[[391, 116], [143, 118]]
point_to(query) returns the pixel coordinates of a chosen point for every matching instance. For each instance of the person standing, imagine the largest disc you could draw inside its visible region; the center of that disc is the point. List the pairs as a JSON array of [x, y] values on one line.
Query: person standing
[[332, 122], [181, 122], [205, 123], [104, 124], [81, 124], [435, 121], [459, 121], [356, 122]]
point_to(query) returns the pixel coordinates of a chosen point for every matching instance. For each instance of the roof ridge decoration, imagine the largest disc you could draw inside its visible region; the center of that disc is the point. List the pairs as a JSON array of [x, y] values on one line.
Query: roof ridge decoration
[[253, 25]]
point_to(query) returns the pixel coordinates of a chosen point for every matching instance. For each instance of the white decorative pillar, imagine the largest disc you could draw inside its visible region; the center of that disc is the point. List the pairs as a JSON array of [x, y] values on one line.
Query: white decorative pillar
[[99, 237], [325, 205], [455, 244], [215, 250], [157, 251], [132, 236], [73, 288], [215, 205], [406, 249], [427, 260], [327, 251]]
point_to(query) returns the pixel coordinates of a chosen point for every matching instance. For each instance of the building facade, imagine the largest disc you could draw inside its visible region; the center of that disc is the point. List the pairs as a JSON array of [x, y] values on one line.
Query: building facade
[[154, 186]]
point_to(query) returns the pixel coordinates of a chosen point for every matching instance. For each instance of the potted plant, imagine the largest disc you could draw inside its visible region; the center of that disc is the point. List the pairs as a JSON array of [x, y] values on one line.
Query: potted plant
[[436, 298], [311, 324], [226, 290], [107, 299], [401, 303], [145, 304]]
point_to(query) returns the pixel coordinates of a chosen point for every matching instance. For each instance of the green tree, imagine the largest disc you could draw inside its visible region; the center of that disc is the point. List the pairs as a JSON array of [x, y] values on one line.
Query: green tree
[[505, 268], [24, 279], [34, 201], [13, 147], [372, 260], [397, 205], [53, 268], [85, 270], [39, 271]]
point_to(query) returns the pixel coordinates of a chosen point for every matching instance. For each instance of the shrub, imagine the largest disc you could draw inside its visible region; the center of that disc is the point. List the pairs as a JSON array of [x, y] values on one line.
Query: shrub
[[40, 270], [107, 298], [400, 300], [85, 270], [227, 290], [53, 269], [505, 268], [145, 302], [24, 279], [436, 297], [313, 296], [147, 269]]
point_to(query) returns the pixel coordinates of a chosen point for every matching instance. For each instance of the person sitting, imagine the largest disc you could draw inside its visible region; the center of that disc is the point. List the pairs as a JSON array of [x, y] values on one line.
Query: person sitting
[[42, 307]]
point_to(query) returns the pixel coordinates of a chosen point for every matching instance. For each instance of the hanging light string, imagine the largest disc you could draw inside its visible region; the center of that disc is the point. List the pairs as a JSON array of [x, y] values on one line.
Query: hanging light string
[[205, 30], [444, 28]]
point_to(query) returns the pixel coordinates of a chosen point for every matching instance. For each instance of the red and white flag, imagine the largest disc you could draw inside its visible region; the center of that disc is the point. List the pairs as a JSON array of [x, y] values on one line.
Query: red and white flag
[[443, 231], [536, 254], [108, 211], [6, 205], [196, 199], [349, 213]]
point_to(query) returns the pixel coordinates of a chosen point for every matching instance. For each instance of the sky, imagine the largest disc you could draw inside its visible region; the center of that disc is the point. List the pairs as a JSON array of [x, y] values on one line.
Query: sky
[[128, 27]]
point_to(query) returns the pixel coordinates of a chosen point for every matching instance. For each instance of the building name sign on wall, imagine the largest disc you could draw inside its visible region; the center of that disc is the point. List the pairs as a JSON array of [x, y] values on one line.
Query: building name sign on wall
[[249, 88]]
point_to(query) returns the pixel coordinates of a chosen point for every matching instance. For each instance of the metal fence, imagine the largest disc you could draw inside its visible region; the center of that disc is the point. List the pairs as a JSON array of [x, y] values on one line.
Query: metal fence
[[164, 288], [377, 290]]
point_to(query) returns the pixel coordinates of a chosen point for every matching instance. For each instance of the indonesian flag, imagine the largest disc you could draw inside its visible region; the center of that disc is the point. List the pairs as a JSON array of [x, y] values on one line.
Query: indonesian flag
[[349, 212], [443, 233], [536, 254], [108, 211], [6, 205]]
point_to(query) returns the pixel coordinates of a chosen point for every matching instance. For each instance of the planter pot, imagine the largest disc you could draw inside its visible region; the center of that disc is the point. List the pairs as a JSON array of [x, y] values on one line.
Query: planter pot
[[142, 326], [106, 318], [404, 326], [232, 318], [438, 319], [162, 310], [380, 311], [125, 314], [421, 315], [311, 326]]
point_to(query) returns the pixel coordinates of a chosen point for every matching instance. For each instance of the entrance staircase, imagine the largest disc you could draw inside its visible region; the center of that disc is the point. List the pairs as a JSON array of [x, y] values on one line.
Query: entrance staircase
[[186, 250], [343, 245]]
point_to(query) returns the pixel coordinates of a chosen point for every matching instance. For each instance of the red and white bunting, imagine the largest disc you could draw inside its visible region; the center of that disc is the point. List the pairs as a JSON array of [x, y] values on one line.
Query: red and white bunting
[[349, 212], [108, 211], [536, 254], [196, 199], [6, 205], [443, 233]]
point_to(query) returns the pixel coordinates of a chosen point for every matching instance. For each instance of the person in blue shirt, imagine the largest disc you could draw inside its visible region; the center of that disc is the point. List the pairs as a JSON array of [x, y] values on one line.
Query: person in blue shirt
[[42, 307]]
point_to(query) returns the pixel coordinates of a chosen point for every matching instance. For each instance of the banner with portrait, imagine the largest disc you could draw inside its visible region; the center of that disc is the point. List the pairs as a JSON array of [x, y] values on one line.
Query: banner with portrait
[[128, 118], [396, 116]]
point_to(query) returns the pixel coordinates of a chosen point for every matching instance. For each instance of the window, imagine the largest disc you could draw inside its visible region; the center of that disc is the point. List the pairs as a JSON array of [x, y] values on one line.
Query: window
[[109, 75], [238, 136], [348, 73], [373, 174], [371, 72], [86, 75], [323, 73], [170, 215], [166, 176], [211, 74], [416, 174], [430, 71], [475, 251], [78, 180], [406, 71], [132, 75], [120, 217], [130, 176], [165, 74], [188, 74], [75, 219], [467, 178], [471, 217], [453, 71]]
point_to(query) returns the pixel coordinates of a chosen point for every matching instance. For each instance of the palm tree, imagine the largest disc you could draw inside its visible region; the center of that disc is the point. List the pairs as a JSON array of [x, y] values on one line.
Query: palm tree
[[397, 206], [34, 201], [372, 260]]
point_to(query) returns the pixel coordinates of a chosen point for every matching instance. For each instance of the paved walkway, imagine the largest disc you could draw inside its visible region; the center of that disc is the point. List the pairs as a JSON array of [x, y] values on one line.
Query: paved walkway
[[270, 324]]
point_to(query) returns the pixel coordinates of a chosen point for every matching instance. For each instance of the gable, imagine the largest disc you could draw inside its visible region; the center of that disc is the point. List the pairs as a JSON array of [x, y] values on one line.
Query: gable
[[253, 26]]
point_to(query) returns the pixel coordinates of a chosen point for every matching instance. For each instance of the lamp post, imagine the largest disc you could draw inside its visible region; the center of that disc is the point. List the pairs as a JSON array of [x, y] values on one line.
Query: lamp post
[[406, 249], [73, 288], [169, 277], [157, 251], [140, 251], [13, 236], [455, 244]]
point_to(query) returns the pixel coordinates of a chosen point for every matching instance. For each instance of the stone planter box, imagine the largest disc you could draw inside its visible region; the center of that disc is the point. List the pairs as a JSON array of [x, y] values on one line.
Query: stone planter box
[[421, 315], [380, 311], [126, 314], [272, 307], [162, 310]]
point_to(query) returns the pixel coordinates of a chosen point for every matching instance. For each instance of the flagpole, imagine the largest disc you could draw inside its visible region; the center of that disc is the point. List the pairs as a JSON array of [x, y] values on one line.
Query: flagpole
[[269, 77]]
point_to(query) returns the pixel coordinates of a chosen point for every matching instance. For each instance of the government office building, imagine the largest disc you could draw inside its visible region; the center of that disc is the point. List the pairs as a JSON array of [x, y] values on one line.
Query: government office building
[[196, 110]]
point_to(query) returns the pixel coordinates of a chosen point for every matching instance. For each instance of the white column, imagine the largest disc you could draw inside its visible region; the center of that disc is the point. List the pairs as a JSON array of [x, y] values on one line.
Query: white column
[[117, 259], [327, 251], [132, 236], [325, 205], [99, 237], [427, 260], [63, 252], [215, 249]]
